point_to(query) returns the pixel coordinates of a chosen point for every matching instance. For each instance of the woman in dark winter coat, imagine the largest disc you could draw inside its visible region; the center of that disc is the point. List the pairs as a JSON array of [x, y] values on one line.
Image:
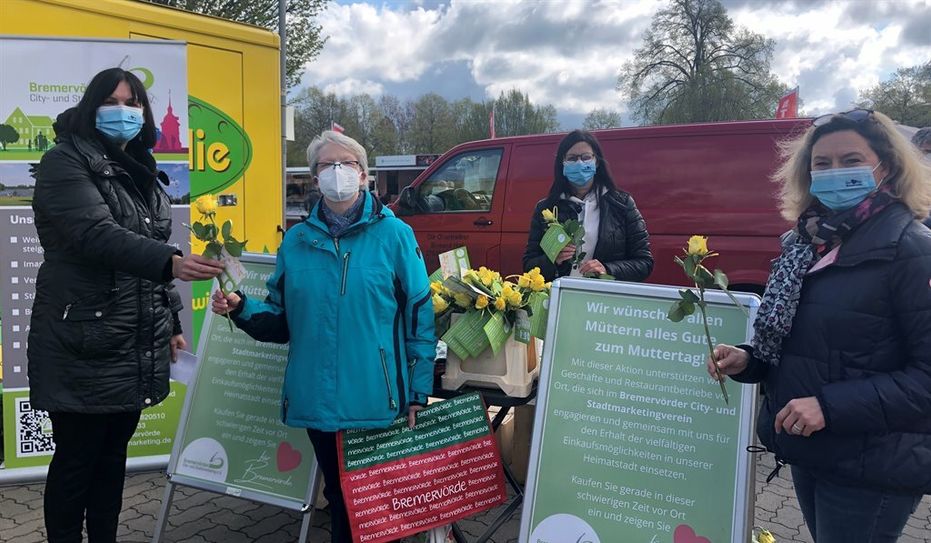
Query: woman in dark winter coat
[[105, 319], [843, 335], [616, 241]]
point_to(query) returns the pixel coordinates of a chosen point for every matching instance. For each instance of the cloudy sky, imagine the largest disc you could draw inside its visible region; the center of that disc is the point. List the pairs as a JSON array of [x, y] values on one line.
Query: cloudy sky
[[568, 52]]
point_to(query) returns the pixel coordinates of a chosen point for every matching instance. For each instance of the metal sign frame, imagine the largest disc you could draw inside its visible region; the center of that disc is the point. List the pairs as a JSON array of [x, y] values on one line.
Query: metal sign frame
[[305, 507], [744, 463]]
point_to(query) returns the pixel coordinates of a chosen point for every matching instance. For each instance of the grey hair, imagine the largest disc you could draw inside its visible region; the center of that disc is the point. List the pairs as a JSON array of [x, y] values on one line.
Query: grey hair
[[344, 141], [922, 137]]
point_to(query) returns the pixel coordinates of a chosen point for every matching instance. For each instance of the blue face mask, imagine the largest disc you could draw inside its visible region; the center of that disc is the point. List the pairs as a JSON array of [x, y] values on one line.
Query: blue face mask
[[120, 123], [842, 188], [579, 173]]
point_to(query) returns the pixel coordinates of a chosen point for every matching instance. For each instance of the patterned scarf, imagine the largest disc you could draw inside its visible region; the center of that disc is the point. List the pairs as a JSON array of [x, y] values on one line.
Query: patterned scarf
[[818, 232]]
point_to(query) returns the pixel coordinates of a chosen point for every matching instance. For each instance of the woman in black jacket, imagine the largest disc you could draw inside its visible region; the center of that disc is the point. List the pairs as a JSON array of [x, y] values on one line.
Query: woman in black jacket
[[843, 335], [616, 240], [105, 318]]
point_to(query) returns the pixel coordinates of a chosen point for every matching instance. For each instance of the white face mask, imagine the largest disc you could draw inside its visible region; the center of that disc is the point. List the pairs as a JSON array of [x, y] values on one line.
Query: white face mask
[[339, 183]]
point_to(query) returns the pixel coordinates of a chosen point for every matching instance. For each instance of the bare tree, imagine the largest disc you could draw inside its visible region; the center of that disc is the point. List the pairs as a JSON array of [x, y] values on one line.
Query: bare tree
[[695, 66]]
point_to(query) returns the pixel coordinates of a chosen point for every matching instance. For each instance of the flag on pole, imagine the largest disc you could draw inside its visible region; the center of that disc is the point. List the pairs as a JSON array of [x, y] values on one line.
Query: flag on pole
[[336, 127], [491, 123], [788, 105]]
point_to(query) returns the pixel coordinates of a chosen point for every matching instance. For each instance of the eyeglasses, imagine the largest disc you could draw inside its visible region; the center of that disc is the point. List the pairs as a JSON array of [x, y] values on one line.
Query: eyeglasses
[[351, 163], [855, 115], [585, 157]]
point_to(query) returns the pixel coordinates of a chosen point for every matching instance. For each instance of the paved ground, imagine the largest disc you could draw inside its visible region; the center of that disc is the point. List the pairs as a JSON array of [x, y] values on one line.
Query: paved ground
[[202, 517]]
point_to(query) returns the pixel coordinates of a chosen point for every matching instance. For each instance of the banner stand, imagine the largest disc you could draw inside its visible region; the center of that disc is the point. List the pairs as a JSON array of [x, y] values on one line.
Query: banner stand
[[230, 439], [307, 509]]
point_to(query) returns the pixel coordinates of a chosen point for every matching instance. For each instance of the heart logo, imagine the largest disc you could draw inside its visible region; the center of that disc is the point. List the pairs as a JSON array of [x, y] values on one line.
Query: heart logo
[[685, 534], [288, 457]]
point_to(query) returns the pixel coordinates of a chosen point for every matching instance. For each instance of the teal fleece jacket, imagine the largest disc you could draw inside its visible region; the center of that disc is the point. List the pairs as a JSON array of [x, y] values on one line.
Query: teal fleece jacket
[[358, 313]]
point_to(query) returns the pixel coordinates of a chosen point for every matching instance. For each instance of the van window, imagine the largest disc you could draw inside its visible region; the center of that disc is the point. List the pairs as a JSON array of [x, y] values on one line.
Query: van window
[[466, 182]]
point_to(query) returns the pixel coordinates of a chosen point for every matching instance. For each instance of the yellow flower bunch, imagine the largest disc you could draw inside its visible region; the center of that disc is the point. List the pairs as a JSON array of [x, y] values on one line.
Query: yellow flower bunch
[[533, 280]]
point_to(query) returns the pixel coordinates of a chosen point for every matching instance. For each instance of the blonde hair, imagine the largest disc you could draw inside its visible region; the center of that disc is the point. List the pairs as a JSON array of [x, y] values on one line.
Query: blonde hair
[[909, 175], [331, 136]]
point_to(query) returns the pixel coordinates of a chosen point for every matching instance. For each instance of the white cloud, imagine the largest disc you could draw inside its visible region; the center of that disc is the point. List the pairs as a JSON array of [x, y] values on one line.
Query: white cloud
[[351, 86], [568, 54]]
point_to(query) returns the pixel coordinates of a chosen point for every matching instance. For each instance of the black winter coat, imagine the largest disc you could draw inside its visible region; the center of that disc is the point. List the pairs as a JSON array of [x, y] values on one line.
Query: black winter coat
[[623, 242], [861, 344], [104, 311]]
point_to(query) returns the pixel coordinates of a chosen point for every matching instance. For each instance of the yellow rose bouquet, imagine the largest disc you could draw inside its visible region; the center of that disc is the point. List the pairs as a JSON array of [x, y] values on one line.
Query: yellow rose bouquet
[[219, 244], [492, 308], [696, 253]]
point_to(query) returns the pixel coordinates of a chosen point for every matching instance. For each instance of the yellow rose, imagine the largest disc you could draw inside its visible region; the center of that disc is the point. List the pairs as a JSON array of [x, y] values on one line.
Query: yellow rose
[[206, 204], [548, 215], [486, 276], [524, 281], [481, 302], [538, 283], [501, 303], [437, 287], [462, 300], [698, 246], [439, 304]]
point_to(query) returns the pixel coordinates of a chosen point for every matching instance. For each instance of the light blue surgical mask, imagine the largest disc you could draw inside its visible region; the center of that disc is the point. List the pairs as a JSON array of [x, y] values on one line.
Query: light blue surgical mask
[[120, 123], [842, 188], [579, 172]]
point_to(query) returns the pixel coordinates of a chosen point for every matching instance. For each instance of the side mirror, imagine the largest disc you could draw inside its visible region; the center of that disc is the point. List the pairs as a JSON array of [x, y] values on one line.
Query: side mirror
[[407, 202]]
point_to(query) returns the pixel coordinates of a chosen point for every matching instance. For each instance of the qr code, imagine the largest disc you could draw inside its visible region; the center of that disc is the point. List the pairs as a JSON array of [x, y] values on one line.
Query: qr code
[[33, 430]]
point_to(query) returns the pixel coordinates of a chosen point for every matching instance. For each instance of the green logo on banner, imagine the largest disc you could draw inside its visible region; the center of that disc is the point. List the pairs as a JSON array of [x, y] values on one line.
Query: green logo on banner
[[146, 75], [220, 150]]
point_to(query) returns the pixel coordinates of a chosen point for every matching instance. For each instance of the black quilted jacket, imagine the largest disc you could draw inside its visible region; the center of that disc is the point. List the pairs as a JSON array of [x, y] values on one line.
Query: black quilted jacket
[[861, 344], [623, 242], [104, 310]]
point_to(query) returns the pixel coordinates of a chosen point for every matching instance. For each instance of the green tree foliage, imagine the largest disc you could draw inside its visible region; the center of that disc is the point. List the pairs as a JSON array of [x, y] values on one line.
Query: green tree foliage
[[432, 128], [429, 124], [515, 115], [601, 118], [696, 66], [304, 38], [8, 134], [906, 96]]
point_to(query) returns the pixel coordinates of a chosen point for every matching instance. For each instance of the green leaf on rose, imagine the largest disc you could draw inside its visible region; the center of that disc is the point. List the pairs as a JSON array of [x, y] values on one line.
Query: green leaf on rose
[[213, 250], [679, 310], [227, 230], [233, 248], [200, 231], [703, 277], [688, 295], [721, 280]]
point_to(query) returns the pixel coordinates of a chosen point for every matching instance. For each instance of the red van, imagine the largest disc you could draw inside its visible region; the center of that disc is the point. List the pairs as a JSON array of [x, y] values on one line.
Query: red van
[[709, 179]]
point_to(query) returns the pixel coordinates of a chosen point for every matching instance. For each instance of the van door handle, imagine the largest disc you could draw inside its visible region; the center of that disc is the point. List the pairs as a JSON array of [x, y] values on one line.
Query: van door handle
[[483, 222]]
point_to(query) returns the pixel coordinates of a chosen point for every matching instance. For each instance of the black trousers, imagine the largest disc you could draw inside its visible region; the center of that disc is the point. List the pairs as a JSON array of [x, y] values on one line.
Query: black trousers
[[85, 478], [327, 458]]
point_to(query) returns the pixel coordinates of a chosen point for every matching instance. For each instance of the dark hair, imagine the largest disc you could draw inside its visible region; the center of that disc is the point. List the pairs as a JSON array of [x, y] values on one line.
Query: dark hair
[[922, 137], [561, 185], [84, 120]]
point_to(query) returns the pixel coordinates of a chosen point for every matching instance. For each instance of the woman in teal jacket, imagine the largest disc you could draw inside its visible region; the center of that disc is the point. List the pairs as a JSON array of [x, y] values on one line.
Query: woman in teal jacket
[[350, 292]]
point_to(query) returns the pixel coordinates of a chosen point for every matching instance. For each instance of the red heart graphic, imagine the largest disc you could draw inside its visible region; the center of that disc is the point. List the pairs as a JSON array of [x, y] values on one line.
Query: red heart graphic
[[685, 534], [288, 457]]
